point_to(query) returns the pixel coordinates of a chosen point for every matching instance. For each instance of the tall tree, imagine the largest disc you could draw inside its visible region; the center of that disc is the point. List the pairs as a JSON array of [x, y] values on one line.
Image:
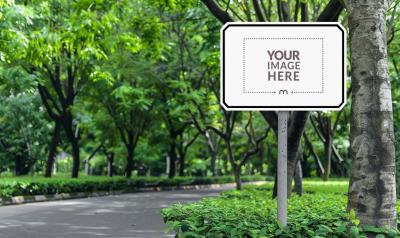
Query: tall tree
[[372, 190], [61, 45], [330, 13]]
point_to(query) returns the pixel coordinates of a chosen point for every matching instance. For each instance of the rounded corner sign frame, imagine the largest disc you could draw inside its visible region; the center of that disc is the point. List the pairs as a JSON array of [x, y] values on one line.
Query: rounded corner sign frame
[[265, 107]]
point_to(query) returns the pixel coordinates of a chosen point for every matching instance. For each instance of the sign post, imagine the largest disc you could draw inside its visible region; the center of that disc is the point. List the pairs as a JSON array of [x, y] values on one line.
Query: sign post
[[282, 166], [283, 67]]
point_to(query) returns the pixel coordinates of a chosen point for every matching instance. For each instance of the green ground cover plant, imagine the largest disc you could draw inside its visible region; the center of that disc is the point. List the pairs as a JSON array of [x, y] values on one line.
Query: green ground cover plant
[[12, 186], [320, 212]]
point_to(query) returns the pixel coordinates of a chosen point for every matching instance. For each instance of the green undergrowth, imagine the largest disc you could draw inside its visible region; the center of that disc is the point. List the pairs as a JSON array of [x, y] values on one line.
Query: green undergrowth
[[17, 186], [320, 212], [337, 186]]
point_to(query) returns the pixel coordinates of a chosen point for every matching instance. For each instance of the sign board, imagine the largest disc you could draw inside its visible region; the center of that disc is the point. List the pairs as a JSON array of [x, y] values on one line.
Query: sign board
[[283, 66]]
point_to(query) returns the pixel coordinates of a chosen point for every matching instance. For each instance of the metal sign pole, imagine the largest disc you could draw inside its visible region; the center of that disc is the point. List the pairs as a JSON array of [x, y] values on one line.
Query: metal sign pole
[[282, 166]]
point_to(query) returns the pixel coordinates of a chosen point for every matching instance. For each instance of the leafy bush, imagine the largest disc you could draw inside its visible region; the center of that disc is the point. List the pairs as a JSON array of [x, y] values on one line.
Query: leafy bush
[[252, 213], [43, 186]]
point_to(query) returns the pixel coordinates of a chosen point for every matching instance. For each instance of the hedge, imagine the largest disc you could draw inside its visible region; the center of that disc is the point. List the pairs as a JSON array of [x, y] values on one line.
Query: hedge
[[17, 186], [252, 213]]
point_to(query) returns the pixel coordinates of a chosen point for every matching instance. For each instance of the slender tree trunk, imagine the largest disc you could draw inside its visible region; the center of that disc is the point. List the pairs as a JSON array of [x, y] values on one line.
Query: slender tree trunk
[[248, 168], [53, 149], [226, 169], [285, 8], [213, 164], [304, 12], [236, 169], [279, 9], [172, 160], [87, 166], [213, 152], [74, 142], [129, 162], [75, 156], [141, 170], [167, 164], [372, 190], [238, 180], [328, 154], [262, 155], [110, 164], [18, 165], [181, 165], [298, 178]]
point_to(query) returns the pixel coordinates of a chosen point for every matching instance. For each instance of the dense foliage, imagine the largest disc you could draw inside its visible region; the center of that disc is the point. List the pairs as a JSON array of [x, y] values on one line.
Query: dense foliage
[[321, 212], [132, 88]]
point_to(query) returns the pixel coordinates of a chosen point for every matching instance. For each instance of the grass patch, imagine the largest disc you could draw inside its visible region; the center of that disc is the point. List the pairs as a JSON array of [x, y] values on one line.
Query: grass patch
[[338, 186]]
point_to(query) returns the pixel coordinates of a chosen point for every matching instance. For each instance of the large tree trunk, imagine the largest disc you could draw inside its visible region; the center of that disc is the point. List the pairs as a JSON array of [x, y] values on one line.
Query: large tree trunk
[[372, 190], [53, 149]]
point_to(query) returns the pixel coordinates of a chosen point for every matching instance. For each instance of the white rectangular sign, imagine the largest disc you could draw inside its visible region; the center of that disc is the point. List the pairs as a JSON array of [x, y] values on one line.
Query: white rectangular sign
[[283, 66]]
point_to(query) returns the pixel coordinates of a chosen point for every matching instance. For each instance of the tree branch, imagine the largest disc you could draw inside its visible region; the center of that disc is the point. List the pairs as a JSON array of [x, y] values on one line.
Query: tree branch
[[256, 147], [221, 15], [257, 8], [186, 147], [44, 96], [218, 132], [311, 148], [320, 135], [331, 11]]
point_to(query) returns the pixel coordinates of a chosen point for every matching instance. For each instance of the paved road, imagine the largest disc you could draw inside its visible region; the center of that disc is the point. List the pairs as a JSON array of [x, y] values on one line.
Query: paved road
[[123, 216]]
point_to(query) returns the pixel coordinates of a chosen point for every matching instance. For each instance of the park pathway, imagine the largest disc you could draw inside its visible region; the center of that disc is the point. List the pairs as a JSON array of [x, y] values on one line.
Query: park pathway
[[135, 215]]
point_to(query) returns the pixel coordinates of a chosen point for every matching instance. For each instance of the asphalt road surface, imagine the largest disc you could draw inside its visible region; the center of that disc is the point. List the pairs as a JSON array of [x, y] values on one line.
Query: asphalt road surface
[[135, 215]]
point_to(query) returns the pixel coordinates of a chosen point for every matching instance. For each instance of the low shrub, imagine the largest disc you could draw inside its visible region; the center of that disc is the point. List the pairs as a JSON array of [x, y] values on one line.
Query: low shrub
[[252, 213], [16, 186]]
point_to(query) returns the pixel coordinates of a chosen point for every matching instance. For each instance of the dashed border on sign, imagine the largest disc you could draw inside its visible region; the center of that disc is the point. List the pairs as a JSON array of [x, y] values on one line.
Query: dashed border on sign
[[283, 38]]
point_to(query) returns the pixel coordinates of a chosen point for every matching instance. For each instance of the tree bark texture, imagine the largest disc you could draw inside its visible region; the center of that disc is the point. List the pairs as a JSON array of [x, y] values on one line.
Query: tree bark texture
[[372, 190]]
